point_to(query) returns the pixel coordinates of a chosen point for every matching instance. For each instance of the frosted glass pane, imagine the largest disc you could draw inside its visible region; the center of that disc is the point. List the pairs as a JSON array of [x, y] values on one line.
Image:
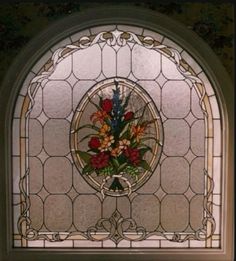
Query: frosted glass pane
[[109, 61], [56, 139], [56, 93], [175, 94], [174, 213], [175, 175], [217, 174], [177, 137], [38, 104], [217, 137], [83, 68], [36, 175], [57, 175], [35, 137], [124, 61], [154, 91], [197, 138], [145, 63], [170, 70], [62, 70], [144, 205], [214, 106], [58, 213]]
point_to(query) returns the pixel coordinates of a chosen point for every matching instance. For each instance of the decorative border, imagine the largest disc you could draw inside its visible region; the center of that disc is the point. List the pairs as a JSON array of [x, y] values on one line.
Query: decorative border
[[118, 38]]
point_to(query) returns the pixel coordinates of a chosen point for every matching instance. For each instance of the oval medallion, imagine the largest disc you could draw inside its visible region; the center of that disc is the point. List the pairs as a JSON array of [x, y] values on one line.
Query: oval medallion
[[116, 137]]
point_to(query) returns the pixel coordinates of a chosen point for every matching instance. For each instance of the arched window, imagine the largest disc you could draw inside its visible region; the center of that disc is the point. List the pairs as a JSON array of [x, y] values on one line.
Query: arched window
[[118, 141]]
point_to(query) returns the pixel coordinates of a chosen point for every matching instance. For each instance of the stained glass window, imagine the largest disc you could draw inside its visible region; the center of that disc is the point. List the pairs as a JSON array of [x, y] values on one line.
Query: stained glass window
[[117, 143]]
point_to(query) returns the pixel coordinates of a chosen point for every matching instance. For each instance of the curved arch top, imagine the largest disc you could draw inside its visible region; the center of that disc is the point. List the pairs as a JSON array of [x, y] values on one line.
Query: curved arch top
[[164, 55]]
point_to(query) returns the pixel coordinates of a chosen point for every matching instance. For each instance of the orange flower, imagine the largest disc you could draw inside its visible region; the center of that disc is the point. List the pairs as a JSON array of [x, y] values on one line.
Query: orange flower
[[137, 131], [106, 143], [104, 130], [116, 152], [99, 116]]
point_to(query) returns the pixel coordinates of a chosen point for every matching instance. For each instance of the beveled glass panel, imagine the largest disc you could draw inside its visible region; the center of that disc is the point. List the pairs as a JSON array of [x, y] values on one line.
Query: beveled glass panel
[[171, 143]]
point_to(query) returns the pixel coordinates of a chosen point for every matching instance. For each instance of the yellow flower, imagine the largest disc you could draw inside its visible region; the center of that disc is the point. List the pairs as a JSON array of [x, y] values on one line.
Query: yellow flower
[[106, 143], [104, 129]]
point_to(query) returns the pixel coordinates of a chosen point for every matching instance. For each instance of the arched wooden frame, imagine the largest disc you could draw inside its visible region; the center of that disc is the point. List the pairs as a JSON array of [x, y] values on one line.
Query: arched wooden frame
[[151, 23]]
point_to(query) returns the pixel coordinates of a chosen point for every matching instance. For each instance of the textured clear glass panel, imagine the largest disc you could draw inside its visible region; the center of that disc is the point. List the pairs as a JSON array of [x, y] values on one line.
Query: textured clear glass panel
[[56, 93], [117, 146], [169, 69], [214, 106], [175, 94], [145, 63], [83, 68]]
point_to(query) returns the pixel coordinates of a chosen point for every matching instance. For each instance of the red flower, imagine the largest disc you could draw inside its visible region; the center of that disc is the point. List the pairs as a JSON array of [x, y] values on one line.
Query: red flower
[[100, 160], [133, 155], [107, 105], [94, 143], [129, 115]]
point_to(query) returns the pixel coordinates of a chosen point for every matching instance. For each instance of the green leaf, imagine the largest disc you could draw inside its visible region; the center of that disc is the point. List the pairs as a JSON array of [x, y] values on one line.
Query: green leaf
[[97, 106], [127, 100], [133, 144], [100, 100], [87, 169], [122, 167], [115, 163], [124, 125], [144, 150], [88, 136], [90, 126], [108, 122], [144, 109], [143, 164], [151, 138], [85, 156]]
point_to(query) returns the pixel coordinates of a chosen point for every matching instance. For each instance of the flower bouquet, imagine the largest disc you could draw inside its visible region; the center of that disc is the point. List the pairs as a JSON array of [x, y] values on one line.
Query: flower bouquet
[[117, 147]]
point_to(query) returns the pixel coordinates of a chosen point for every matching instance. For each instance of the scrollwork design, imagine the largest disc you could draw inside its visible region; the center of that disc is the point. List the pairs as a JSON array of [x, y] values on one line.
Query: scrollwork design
[[114, 226]]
